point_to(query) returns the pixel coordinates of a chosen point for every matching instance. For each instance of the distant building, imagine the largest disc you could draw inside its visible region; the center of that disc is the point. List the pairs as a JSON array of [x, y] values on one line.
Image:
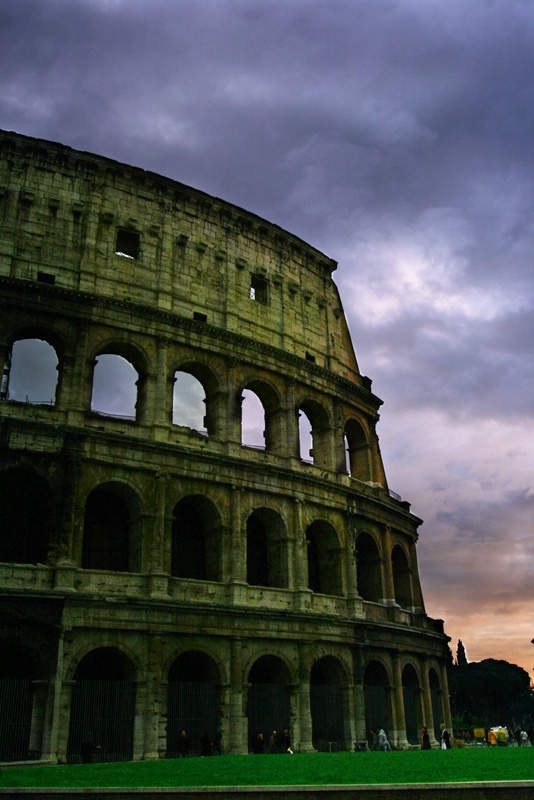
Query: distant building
[[156, 577]]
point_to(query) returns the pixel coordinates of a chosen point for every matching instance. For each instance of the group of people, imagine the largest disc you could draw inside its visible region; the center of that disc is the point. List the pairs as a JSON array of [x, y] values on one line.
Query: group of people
[[278, 743], [502, 737], [377, 739]]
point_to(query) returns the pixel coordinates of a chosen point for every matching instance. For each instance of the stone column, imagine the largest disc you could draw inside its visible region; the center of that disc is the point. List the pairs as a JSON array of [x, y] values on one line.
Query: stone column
[[400, 723], [350, 724], [354, 601], [163, 403], [238, 551], [158, 578], [300, 555], [71, 462], [5, 360], [238, 722], [359, 694], [305, 744], [52, 748], [389, 598], [40, 692], [417, 594], [152, 701], [427, 702]]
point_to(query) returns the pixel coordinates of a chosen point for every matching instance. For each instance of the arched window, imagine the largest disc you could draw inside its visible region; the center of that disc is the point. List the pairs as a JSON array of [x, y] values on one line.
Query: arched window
[[401, 577], [358, 454], [114, 386], [252, 420], [266, 549], [196, 540], [32, 374], [188, 402], [324, 559], [103, 702], [305, 438], [368, 567], [25, 503], [111, 538]]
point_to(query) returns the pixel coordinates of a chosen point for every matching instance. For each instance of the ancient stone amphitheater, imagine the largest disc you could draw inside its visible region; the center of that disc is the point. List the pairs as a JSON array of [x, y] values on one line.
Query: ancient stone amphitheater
[[160, 574]]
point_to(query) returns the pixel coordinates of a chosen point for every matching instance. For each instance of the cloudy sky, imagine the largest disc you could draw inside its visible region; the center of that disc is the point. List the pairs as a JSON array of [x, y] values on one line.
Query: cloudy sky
[[397, 137]]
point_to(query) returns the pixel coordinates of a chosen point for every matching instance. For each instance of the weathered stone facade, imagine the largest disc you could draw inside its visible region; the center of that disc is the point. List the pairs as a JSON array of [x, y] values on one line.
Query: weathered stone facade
[[181, 578]]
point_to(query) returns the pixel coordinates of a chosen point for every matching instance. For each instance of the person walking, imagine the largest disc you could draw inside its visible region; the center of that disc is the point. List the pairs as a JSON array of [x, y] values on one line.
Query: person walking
[[383, 743], [445, 738], [425, 739]]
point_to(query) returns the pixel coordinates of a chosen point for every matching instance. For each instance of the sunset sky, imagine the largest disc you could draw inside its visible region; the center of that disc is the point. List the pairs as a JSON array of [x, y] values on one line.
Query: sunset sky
[[397, 137]]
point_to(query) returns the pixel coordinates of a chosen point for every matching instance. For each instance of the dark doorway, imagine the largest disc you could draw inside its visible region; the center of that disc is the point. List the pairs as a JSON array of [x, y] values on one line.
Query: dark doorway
[[193, 701], [25, 501], [268, 697], [16, 702], [103, 703], [376, 683], [106, 533], [411, 693], [327, 701]]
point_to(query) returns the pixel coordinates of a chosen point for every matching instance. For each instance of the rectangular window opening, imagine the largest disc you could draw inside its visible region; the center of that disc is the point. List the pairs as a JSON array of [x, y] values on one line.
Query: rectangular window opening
[[258, 289], [309, 357], [46, 277], [127, 244], [199, 316]]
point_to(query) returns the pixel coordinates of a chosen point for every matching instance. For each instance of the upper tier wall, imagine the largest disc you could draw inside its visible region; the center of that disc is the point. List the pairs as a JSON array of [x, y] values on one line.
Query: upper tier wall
[[65, 214]]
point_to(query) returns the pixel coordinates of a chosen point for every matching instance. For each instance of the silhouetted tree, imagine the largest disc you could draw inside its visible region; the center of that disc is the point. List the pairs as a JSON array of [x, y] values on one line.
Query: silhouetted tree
[[461, 658]]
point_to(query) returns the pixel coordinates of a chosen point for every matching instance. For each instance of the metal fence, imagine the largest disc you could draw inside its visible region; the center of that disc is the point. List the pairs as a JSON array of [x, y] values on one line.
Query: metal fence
[[194, 708], [326, 703], [16, 701], [105, 709], [267, 709]]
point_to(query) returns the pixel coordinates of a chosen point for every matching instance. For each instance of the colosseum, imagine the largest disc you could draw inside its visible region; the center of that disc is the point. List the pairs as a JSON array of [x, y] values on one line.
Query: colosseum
[[164, 566]]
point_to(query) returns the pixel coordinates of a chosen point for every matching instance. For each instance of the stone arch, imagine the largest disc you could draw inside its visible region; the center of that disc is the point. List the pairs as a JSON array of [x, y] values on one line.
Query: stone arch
[[402, 579], [378, 711], [324, 559], [321, 432], [436, 696], [193, 700], [127, 396], [267, 556], [112, 532], [103, 703], [33, 368], [268, 702], [413, 702], [358, 450], [196, 547], [329, 704], [369, 568], [18, 671], [206, 415], [26, 517]]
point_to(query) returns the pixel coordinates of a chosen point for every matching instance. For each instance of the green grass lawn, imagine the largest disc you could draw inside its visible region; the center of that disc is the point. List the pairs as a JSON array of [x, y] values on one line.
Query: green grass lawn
[[433, 766]]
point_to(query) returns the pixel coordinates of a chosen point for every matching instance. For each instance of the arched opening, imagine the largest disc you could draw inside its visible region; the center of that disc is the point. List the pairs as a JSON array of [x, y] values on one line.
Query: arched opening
[[196, 540], [413, 712], [189, 402], [111, 532], [17, 672], [314, 434], [268, 706], [328, 705], [324, 559], [401, 577], [32, 372], [103, 704], [25, 500], [115, 383], [368, 569], [193, 701], [252, 420], [376, 685], [357, 451], [266, 550], [435, 696]]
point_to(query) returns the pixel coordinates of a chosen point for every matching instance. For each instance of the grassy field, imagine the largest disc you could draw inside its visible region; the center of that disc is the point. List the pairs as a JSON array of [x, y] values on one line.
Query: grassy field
[[433, 766]]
